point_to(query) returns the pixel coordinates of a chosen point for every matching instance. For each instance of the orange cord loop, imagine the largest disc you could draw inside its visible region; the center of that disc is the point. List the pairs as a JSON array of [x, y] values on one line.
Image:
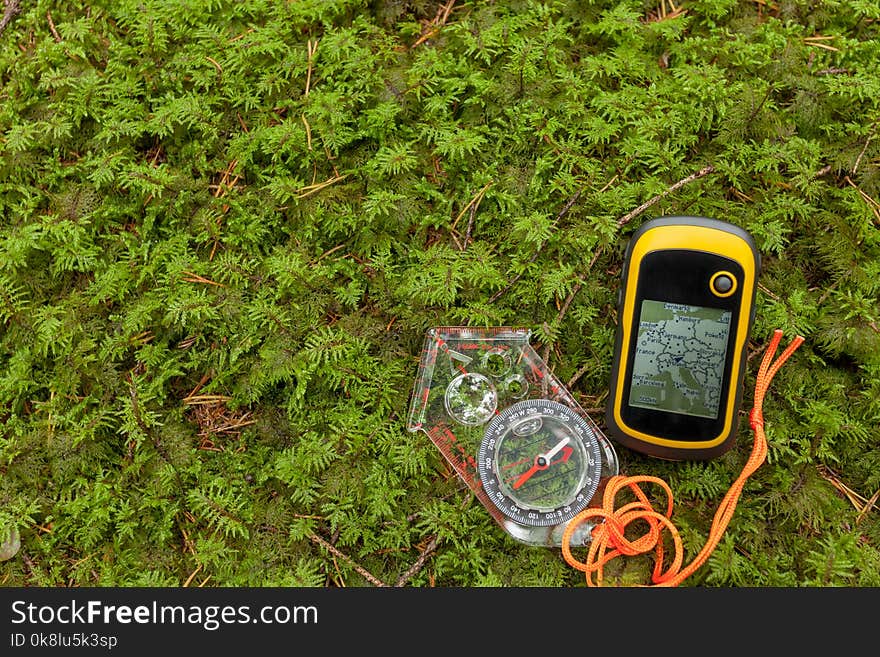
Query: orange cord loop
[[608, 539]]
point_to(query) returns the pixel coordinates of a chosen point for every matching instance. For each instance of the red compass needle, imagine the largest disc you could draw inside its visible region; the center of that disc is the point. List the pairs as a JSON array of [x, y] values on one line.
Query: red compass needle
[[542, 461], [524, 477]]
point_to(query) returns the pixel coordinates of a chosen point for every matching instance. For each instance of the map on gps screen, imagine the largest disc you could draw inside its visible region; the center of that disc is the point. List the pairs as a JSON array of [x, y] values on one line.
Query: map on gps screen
[[679, 360]]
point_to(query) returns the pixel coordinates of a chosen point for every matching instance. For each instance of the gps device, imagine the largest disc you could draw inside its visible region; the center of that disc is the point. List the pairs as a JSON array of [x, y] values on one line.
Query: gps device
[[685, 308]]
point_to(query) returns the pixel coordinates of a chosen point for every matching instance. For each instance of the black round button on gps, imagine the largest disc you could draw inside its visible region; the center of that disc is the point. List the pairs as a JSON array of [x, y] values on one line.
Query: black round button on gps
[[723, 283]]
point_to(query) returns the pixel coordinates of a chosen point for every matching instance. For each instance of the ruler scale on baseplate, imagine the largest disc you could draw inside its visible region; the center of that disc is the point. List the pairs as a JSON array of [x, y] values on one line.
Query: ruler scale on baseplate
[[464, 465]]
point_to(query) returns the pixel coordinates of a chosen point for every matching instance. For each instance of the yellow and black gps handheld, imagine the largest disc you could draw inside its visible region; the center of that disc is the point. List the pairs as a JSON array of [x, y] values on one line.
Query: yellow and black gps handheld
[[685, 309]]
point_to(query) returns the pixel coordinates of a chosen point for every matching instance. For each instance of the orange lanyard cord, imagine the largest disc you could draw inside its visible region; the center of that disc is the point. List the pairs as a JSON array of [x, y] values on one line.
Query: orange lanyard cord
[[608, 540]]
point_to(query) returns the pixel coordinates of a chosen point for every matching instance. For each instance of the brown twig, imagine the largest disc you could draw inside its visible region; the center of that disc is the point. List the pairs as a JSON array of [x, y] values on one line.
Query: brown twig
[[308, 131], [443, 13], [662, 14], [705, 171], [817, 41], [577, 375], [872, 204], [311, 189], [192, 576], [865, 147], [768, 292], [861, 504], [872, 503], [474, 201], [470, 226], [192, 277], [314, 262], [221, 189], [52, 27], [419, 563], [13, 8], [436, 23], [311, 48], [360, 569], [215, 419], [205, 378], [216, 64], [472, 205]]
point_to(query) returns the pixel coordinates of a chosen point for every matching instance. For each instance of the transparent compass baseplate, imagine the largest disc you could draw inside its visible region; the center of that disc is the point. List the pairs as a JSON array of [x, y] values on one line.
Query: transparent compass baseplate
[[511, 430]]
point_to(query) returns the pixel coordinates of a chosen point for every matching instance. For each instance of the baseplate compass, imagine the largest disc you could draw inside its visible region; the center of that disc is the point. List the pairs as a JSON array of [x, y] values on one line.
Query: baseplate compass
[[512, 432]]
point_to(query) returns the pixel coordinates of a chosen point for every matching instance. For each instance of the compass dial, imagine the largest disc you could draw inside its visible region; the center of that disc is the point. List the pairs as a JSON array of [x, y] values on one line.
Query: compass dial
[[539, 462]]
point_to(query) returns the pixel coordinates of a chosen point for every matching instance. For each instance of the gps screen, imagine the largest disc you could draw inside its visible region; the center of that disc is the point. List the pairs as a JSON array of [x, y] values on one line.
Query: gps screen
[[678, 365]]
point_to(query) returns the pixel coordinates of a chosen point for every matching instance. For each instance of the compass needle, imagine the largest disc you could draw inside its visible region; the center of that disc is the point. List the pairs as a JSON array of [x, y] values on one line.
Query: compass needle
[[527, 474], [557, 448], [542, 462], [566, 454]]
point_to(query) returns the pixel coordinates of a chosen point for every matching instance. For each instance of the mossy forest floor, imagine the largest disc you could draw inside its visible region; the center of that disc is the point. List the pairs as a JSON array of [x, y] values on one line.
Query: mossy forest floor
[[226, 226]]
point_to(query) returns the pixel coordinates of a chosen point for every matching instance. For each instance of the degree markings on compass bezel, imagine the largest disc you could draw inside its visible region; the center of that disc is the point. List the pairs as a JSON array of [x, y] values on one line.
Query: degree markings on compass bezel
[[584, 447]]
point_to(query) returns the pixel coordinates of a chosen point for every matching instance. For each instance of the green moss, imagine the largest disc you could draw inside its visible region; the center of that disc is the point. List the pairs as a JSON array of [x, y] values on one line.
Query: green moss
[[225, 227]]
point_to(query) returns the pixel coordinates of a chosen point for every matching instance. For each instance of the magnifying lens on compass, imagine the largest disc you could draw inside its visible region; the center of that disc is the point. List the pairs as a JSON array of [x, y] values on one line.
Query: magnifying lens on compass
[[540, 462]]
